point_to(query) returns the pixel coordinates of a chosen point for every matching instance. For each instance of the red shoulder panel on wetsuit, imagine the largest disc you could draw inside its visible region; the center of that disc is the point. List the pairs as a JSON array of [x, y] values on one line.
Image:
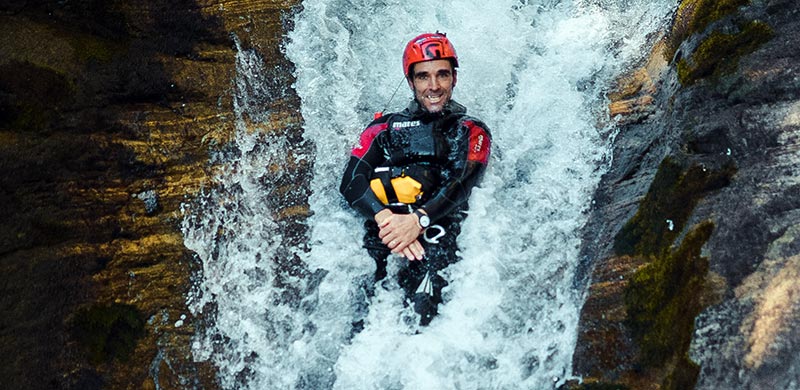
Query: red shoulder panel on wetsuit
[[366, 138], [479, 143]]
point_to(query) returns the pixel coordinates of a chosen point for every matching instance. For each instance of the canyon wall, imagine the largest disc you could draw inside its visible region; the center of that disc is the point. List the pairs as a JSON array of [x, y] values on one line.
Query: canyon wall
[[108, 113], [692, 247]]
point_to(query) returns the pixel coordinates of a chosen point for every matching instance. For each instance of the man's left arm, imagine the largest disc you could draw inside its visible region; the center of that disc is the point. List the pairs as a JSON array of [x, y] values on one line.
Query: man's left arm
[[468, 161]]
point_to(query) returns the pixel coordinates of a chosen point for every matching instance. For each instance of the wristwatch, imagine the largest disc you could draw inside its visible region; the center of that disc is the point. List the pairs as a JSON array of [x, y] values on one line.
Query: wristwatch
[[424, 220]]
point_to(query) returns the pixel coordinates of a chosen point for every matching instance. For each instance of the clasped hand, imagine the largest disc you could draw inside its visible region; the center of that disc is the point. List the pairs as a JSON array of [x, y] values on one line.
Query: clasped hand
[[400, 232]]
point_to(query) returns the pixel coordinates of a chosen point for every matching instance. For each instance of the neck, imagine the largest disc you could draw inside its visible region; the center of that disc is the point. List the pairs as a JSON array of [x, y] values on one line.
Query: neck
[[416, 108]]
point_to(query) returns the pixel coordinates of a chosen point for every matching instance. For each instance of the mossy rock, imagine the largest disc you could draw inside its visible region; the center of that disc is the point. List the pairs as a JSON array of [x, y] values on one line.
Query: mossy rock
[[662, 300], [663, 297], [693, 16], [108, 332], [719, 54], [669, 202], [709, 11]]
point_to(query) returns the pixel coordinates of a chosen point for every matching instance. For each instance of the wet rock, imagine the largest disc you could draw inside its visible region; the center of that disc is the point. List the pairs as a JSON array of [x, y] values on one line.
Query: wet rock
[[744, 116], [632, 100]]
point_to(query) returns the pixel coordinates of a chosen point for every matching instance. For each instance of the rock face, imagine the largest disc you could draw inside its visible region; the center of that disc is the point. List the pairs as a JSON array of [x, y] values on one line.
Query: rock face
[[692, 248], [108, 110]]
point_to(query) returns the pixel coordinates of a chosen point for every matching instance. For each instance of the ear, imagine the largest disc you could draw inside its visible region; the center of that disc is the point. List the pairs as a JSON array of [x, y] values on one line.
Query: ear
[[410, 82], [455, 77]]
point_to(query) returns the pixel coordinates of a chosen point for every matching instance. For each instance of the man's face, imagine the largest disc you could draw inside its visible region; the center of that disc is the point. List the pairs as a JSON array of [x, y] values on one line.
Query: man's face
[[432, 83]]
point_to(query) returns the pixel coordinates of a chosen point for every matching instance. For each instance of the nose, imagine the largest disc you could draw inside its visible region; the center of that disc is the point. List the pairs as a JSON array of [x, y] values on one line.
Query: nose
[[434, 84]]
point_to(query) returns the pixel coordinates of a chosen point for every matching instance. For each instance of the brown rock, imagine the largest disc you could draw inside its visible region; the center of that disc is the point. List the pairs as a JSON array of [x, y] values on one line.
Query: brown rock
[[632, 99]]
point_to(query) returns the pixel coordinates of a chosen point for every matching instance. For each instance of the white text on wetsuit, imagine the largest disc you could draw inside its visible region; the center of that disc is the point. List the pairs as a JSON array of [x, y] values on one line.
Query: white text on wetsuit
[[400, 125]]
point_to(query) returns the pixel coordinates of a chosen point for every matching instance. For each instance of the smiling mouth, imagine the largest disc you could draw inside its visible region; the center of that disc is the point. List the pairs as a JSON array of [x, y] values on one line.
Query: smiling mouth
[[434, 99]]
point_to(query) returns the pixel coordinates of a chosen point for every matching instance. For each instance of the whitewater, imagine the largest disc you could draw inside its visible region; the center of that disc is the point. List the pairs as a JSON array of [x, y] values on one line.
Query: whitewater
[[280, 316]]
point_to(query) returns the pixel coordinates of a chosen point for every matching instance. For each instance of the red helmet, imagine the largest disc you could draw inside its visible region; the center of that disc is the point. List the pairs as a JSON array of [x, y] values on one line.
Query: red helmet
[[428, 47]]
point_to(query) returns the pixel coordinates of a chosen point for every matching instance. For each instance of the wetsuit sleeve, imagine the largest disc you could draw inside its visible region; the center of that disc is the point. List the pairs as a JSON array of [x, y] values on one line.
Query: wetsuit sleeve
[[467, 162], [364, 158]]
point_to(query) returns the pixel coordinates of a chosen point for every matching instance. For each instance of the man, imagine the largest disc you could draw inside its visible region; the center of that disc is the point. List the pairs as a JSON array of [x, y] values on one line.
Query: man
[[412, 172]]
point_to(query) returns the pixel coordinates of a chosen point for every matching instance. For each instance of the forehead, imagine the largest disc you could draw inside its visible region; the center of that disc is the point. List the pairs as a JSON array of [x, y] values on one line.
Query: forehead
[[434, 66]]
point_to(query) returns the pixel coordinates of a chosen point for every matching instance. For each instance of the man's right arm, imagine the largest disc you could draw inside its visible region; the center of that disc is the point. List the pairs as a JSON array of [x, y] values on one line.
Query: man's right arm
[[363, 160], [356, 189]]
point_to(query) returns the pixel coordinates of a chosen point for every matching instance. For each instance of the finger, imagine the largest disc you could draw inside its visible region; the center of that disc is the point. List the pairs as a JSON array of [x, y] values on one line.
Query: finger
[[409, 254], [417, 249], [390, 240], [386, 221], [401, 245], [395, 244], [386, 229], [412, 251], [397, 236]]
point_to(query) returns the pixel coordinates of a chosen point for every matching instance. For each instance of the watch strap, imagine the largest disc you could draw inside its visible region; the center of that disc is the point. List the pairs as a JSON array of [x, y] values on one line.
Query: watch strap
[[420, 215]]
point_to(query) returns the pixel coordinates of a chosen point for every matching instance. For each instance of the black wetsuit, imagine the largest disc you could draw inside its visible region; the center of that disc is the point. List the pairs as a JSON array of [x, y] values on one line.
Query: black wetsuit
[[447, 152]]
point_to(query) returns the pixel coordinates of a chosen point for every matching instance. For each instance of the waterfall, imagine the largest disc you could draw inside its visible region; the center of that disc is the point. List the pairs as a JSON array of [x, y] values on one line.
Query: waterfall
[[535, 72]]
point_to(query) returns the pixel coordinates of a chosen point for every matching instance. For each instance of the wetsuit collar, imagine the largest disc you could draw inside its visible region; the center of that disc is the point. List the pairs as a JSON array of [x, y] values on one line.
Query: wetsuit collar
[[452, 107]]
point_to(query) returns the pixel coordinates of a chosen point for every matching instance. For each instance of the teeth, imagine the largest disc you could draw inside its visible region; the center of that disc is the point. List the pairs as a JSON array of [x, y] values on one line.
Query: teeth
[[434, 99]]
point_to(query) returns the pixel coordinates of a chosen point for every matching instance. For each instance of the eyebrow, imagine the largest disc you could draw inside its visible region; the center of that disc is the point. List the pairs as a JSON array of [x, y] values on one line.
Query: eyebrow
[[438, 72]]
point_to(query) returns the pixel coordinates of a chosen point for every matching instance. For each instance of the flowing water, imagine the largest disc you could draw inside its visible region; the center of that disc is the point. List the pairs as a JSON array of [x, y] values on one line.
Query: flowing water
[[535, 72]]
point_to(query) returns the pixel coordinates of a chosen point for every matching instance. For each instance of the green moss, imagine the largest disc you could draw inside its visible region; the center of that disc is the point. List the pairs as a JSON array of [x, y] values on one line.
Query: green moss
[[667, 206], [663, 297], [685, 72], [709, 11], [108, 332], [662, 301], [719, 53], [694, 16]]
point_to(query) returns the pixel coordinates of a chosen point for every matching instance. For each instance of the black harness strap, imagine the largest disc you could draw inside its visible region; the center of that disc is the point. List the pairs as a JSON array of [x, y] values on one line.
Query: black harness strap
[[385, 176]]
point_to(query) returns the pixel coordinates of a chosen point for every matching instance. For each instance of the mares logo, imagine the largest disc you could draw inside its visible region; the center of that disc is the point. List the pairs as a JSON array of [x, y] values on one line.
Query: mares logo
[[401, 125], [432, 50]]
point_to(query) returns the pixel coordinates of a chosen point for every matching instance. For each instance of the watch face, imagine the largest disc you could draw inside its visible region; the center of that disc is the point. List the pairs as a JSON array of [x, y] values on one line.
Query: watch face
[[424, 221]]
